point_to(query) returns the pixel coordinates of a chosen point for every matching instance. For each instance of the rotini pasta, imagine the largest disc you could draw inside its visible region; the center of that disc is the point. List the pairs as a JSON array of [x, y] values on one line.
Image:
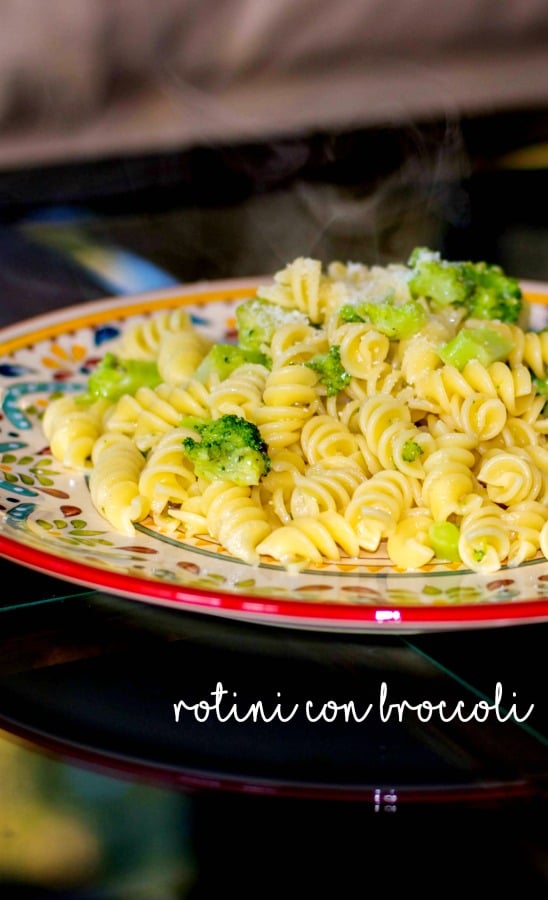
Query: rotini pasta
[[151, 413], [525, 523], [142, 340], [450, 487], [289, 400], [231, 514], [167, 476], [302, 286], [409, 545], [73, 429], [296, 343], [114, 481], [361, 347], [179, 354], [484, 541], [377, 505], [310, 538], [389, 419], [241, 393], [307, 492]]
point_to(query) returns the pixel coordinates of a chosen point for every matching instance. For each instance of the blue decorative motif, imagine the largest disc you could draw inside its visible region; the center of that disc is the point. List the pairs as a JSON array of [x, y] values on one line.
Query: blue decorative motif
[[21, 512], [105, 333], [7, 446], [10, 406], [11, 371]]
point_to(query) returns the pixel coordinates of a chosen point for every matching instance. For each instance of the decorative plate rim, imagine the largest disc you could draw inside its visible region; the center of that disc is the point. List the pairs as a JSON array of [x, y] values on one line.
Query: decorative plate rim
[[316, 614]]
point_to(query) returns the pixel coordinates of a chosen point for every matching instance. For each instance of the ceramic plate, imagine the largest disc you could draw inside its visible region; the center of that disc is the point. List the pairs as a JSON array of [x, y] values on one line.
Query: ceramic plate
[[48, 522]]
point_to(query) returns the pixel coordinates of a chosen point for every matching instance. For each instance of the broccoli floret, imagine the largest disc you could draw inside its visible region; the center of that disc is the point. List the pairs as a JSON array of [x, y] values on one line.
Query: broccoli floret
[[330, 370], [443, 283], [230, 449], [541, 386], [483, 344], [222, 359], [410, 451], [350, 313], [396, 322], [258, 319], [115, 377], [485, 290], [495, 295]]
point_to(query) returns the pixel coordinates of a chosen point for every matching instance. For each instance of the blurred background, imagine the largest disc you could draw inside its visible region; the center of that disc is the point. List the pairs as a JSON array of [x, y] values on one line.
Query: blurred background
[[223, 139], [146, 143]]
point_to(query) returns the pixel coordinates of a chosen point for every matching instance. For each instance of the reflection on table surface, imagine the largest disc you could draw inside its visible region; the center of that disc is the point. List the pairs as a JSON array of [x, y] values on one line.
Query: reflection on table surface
[[92, 748], [199, 699], [72, 831]]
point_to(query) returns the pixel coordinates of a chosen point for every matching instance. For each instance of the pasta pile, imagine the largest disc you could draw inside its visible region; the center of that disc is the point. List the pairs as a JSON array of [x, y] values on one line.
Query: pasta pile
[[407, 444]]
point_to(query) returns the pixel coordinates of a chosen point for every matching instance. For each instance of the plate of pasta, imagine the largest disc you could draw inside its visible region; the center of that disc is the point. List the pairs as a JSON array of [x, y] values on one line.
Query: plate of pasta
[[339, 446]]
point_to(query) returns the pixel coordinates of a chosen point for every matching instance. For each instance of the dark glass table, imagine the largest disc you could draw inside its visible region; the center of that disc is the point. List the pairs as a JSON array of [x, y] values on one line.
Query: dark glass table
[[152, 753]]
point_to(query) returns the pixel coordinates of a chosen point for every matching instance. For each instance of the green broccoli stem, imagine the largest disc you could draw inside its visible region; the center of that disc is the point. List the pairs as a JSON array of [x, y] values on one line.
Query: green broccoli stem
[[115, 377], [482, 344], [484, 290]]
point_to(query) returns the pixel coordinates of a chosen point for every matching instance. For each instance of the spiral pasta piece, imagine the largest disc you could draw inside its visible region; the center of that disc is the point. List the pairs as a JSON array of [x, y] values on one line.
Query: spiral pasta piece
[[289, 400], [361, 346], [310, 539], [535, 415], [478, 415], [277, 487], [296, 343], [510, 476], [512, 386], [151, 413], [142, 340], [300, 285], [241, 393], [377, 505], [525, 523], [235, 518], [409, 545], [322, 437], [441, 386], [329, 484], [484, 541], [380, 378], [114, 482], [192, 399], [539, 455], [450, 487], [385, 423], [179, 354], [519, 433], [72, 429], [530, 349], [167, 475], [144, 417]]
